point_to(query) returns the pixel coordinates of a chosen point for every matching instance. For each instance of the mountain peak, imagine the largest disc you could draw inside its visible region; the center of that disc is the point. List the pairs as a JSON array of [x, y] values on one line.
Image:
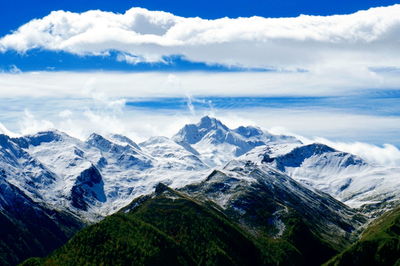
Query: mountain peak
[[99, 142], [94, 137], [193, 133], [207, 122], [160, 188], [38, 138], [249, 131], [123, 140], [49, 133]]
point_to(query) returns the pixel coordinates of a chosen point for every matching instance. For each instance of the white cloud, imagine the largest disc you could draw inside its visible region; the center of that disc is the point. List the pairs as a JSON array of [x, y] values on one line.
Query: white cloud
[[360, 40], [30, 124], [386, 154], [65, 113], [189, 104], [108, 85], [5, 131], [89, 116], [15, 70], [104, 94]]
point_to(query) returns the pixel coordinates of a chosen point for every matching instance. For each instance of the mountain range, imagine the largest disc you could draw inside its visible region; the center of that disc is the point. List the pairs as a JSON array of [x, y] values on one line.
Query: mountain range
[[285, 201]]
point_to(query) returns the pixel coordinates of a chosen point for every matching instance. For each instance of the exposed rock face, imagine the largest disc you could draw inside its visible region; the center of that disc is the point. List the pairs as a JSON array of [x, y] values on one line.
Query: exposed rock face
[[88, 188]]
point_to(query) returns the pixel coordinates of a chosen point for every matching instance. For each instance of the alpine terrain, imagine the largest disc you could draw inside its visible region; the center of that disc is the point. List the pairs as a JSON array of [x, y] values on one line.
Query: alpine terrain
[[209, 195]]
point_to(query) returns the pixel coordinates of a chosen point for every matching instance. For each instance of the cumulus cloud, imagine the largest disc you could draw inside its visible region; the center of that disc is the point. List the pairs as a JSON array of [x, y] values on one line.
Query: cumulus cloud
[[363, 39]]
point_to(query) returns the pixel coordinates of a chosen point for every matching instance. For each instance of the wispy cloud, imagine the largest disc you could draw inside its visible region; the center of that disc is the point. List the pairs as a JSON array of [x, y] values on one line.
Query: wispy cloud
[[160, 84], [30, 124], [148, 117]]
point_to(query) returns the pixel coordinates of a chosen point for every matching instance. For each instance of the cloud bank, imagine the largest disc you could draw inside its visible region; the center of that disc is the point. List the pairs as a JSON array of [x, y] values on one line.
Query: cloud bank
[[359, 40]]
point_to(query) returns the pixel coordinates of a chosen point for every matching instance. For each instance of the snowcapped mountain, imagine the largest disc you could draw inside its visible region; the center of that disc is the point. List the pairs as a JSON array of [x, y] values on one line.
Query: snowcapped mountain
[[23, 170], [217, 144], [269, 184], [172, 155], [100, 175], [345, 176], [124, 154], [96, 177]]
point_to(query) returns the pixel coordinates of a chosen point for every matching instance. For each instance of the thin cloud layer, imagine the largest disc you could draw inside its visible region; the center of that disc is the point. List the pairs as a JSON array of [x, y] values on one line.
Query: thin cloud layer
[[360, 40], [156, 84]]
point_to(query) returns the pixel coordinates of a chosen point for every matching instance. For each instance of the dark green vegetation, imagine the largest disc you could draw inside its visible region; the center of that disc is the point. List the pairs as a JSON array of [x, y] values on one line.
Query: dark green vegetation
[[165, 229], [118, 240], [378, 245], [170, 228], [28, 229]]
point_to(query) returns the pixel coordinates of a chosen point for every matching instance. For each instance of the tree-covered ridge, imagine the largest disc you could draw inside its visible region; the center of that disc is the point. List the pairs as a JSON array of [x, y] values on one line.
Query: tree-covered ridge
[[379, 244], [167, 229], [171, 228]]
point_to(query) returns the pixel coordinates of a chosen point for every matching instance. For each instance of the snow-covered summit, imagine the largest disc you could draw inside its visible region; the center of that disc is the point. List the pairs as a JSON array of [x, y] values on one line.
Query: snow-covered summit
[[193, 133], [170, 154], [42, 137], [123, 140], [218, 144]]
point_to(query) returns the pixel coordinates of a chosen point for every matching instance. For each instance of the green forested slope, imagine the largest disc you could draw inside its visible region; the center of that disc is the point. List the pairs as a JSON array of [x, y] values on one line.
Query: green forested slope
[[170, 228], [167, 229], [379, 244]]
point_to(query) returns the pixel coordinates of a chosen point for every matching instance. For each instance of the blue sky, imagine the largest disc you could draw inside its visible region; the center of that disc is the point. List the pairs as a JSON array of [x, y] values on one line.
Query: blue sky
[[332, 72]]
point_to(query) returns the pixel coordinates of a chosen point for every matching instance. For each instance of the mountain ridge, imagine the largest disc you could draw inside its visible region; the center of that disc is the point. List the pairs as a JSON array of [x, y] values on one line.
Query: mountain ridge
[[272, 186], [58, 159]]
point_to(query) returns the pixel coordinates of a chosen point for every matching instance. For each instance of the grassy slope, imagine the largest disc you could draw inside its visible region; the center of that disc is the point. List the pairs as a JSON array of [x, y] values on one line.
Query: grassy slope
[[378, 245]]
